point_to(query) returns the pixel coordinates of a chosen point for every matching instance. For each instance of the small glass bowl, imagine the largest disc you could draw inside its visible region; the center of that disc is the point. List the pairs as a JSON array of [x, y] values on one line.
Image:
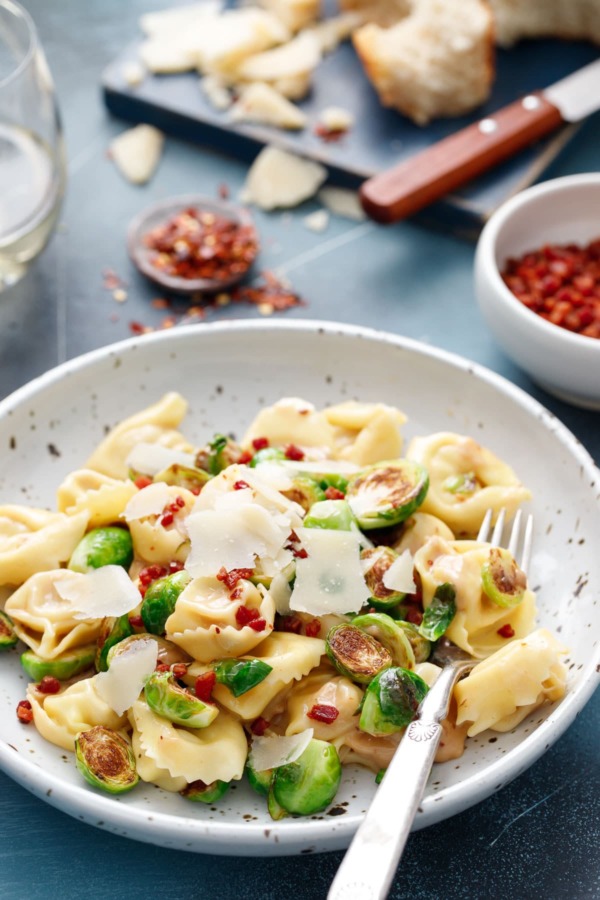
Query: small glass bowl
[[159, 213]]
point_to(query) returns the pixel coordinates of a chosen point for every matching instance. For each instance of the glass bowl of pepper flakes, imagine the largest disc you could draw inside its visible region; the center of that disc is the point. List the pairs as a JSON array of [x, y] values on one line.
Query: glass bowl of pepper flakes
[[192, 244], [537, 281]]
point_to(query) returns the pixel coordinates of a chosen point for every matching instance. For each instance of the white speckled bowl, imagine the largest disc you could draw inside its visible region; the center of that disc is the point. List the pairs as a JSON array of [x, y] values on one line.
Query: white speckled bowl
[[565, 210], [227, 371]]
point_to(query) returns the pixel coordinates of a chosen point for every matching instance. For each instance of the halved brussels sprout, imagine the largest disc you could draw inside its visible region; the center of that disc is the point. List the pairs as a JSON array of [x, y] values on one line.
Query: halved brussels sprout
[[160, 599], [439, 613], [241, 675], [106, 760], [421, 646], [168, 653], [62, 667], [259, 781], [504, 583], [335, 481], [112, 632], [184, 476], [276, 811], [220, 453], [389, 633], [376, 562], [387, 493], [199, 792], [110, 546], [267, 454], [391, 701], [356, 654], [309, 784], [334, 514], [8, 635], [167, 699], [465, 483], [304, 491]]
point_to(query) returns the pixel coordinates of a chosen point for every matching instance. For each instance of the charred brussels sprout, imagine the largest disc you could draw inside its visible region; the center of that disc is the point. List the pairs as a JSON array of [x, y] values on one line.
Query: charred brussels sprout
[[167, 699], [421, 646], [335, 481], [160, 599], [389, 633], [184, 476], [259, 781], [199, 792], [221, 452], [304, 491], [376, 562], [267, 454], [106, 760], [112, 632], [111, 546], [8, 635], [391, 701], [241, 675], [168, 653], [503, 581], [333, 514], [387, 493], [63, 667], [439, 613], [355, 653], [309, 784]]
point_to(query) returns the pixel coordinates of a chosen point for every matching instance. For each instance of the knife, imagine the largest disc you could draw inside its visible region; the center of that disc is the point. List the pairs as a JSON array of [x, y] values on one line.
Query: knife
[[450, 163]]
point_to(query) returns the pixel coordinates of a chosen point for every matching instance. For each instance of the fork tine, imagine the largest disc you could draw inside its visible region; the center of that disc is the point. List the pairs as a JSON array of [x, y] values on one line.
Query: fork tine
[[485, 526], [499, 528], [527, 543], [515, 534]]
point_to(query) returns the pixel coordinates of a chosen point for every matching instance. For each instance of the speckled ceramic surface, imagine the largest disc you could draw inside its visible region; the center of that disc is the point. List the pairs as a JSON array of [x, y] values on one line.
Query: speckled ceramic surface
[[227, 372]]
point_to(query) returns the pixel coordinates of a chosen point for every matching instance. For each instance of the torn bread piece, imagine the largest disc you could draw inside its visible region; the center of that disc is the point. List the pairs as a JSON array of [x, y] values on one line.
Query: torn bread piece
[[136, 152], [259, 102], [295, 14], [279, 180], [570, 19], [437, 62]]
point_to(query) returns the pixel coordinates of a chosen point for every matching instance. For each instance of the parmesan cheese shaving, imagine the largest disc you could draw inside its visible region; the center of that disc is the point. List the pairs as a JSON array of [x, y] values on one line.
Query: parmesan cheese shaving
[[278, 179], [153, 458], [150, 501], [107, 591], [259, 102], [216, 92], [330, 579], [399, 576], [273, 751], [281, 592], [136, 152], [317, 221], [335, 118], [181, 18], [120, 686], [342, 202], [300, 56]]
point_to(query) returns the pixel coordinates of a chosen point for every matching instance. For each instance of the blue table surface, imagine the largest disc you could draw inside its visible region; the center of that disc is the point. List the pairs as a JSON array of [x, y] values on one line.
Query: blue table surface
[[539, 836]]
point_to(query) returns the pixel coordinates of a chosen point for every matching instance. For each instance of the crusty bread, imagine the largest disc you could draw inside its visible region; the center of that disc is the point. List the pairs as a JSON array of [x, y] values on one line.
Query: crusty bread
[[573, 19], [438, 61], [381, 12]]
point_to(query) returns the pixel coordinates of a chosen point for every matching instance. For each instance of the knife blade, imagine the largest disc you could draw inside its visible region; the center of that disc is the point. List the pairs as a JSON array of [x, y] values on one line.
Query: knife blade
[[420, 180]]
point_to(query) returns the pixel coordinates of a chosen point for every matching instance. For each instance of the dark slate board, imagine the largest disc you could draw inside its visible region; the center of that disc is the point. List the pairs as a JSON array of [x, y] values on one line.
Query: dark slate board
[[380, 138]]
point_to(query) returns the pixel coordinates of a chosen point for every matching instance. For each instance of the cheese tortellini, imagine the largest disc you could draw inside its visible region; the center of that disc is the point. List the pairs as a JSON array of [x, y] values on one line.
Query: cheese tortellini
[[33, 540], [102, 497]]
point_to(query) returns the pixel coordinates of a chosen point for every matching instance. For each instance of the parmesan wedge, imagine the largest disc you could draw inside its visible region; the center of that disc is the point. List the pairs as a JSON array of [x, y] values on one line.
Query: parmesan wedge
[[107, 591], [216, 92], [399, 576], [136, 152], [298, 57], [295, 14], [259, 102], [178, 19], [342, 202], [331, 32], [330, 578], [278, 179], [336, 118], [224, 43]]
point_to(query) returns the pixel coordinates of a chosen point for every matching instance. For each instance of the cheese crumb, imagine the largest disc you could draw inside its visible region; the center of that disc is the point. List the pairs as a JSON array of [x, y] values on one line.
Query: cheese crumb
[[136, 152]]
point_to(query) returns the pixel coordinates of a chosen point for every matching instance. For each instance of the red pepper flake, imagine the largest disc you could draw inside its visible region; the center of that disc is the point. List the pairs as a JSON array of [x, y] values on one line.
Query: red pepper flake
[[258, 624], [162, 667], [260, 443], [160, 303], [230, 578], [245, 615], [293, 452], [245, 457], [149, 574], [111, 281], [507, 631], [560, 283], [332, 493], [414, 615], [196, 243], [136, 621], [174, 566], [167, 519], [273, 292], [24, 711], [259, 726], [241, 486], [329, 134], [291, 624], [179, 670], [299, 553], [322, 712], [49, 685], [312, 628], [204, 685], [142, 481]]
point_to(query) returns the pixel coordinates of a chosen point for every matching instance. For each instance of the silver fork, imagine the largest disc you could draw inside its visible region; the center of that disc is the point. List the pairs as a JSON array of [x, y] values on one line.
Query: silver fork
[[371, 860]]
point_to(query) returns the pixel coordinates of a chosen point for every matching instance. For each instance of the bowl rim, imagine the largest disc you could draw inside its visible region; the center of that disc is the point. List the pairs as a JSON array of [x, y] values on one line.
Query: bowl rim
[[487, 267]]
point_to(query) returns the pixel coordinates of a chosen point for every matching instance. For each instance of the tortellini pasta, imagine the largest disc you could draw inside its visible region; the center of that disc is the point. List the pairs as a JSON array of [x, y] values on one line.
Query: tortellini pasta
[[366, 433], [465, 480], [157, 542], [102, 497], [418, 529], [34, 540], [325, 688]]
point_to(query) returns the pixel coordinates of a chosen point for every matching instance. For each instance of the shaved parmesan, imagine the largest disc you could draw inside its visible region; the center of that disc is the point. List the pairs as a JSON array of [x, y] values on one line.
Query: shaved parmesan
[[429, 672], [150, 501], [107, 591], [133, 73], [226, 41], [121, 685], [274, 751], [274, 475], [335, 118], [322, 467], [167, 57], [332, 32], [216, 92], [173, 21], [281, 592], [330, 579], [260, 102], [295, 14], [233, 541], [136, 152], [317, 221], [294, 87], [342, 202], [153, 458], [399, 576], [300, 56], [278, 179]]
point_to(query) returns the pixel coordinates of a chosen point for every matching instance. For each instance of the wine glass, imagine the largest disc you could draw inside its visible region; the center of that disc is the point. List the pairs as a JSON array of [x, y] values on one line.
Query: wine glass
[[32, 158]]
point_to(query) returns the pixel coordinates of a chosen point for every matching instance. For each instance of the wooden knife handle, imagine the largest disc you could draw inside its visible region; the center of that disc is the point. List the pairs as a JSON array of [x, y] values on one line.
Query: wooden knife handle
[[446, 165]]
